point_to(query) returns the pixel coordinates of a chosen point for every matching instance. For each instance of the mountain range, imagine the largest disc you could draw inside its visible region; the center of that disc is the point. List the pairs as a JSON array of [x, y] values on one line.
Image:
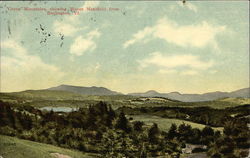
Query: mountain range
[[85, 90], [242, 93]]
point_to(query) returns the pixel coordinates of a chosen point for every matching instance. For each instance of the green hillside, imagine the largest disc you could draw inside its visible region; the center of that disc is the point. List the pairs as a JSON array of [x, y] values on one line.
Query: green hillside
[[42, 98], [11, 147], [58, 95], [165, 123], [239, 101], [42, 94]]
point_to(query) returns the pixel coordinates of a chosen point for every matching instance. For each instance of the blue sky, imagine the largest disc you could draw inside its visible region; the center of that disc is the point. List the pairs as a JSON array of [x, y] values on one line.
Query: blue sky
[[166, 46]]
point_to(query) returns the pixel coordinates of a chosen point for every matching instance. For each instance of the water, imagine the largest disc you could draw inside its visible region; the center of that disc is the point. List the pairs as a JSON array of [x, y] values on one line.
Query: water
[[59, 109]]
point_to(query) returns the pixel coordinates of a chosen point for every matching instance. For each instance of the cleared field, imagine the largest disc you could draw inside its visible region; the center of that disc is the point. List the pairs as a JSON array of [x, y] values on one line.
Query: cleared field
[[165, 123], [11, 147], [239, 101]]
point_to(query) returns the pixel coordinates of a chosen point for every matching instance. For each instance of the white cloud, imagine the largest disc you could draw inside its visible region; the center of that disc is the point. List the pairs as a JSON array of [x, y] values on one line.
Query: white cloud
[[167, 71], [195, 35], [69, 26], [91, 4], [93, 68], [82, 45], [93, 34], [189, 72], [66, 28], [139, 36], [189, 6], [21, 70], [181, 64], [213, 71], [174, 61]]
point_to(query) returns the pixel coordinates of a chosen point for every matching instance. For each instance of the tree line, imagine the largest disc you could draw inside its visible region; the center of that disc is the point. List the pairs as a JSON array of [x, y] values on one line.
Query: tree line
[[100, 129]]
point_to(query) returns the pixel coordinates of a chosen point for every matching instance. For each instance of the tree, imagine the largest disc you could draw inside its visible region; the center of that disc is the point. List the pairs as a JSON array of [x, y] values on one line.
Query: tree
[[207, 135], [196, 136], [91, 118], [138, 126], [207, 131], [110, 117], [153, 134], [185, 131], [122, 123], [172, 131]]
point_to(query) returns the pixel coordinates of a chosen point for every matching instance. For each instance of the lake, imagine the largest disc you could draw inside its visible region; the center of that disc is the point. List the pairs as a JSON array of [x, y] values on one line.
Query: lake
[[59, 109]]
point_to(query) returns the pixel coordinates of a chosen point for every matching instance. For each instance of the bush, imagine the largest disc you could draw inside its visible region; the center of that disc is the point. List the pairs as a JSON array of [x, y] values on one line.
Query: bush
[[6, 130]]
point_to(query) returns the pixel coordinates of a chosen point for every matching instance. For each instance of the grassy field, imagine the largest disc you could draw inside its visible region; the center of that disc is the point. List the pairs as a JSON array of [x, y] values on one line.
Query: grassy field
[[11, 147], [117, 101], [240, 101], [165, 123]]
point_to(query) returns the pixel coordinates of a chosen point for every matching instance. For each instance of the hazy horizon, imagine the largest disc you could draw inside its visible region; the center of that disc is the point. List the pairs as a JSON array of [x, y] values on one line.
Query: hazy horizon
[[165, 46], [128, 92]]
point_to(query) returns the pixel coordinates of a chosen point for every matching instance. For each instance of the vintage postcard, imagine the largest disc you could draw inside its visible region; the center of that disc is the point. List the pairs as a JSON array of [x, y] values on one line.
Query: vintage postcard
[[124, 79]]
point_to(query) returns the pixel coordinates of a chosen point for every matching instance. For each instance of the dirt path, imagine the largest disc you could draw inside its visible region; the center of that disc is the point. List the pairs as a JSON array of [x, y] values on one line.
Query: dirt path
[[58, 155], [197, 155]]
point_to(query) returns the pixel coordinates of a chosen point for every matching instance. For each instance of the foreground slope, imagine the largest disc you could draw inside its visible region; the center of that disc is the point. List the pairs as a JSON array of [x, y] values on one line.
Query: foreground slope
[[11, 147]]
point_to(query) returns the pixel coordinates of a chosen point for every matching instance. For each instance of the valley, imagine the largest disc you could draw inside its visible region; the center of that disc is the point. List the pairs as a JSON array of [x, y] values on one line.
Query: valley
[[80, 124]]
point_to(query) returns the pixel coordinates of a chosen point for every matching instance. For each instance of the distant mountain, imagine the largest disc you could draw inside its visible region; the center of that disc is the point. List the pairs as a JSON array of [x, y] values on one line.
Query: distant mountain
[[152, 93], [85, 90], [243, 93]]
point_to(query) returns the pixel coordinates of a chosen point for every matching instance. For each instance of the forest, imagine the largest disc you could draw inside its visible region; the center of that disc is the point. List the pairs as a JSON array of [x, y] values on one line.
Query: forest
[[106, 132]]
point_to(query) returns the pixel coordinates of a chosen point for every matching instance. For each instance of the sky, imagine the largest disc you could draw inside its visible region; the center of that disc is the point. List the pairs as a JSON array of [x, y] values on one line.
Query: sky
[[196, 47]]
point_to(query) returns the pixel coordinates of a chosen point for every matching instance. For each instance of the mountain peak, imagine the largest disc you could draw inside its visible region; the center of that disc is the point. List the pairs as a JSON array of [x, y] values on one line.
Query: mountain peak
[[64, 85], [85, 90], [178, 93], [242, 93], [151, 91]]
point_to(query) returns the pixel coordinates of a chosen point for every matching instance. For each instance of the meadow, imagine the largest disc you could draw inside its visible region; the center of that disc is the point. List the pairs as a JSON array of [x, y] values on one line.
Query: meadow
[[165, 123], [11, 147]]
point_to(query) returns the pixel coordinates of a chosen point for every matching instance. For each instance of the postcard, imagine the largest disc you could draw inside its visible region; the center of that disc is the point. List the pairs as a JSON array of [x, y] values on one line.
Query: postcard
[[124, 79]]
